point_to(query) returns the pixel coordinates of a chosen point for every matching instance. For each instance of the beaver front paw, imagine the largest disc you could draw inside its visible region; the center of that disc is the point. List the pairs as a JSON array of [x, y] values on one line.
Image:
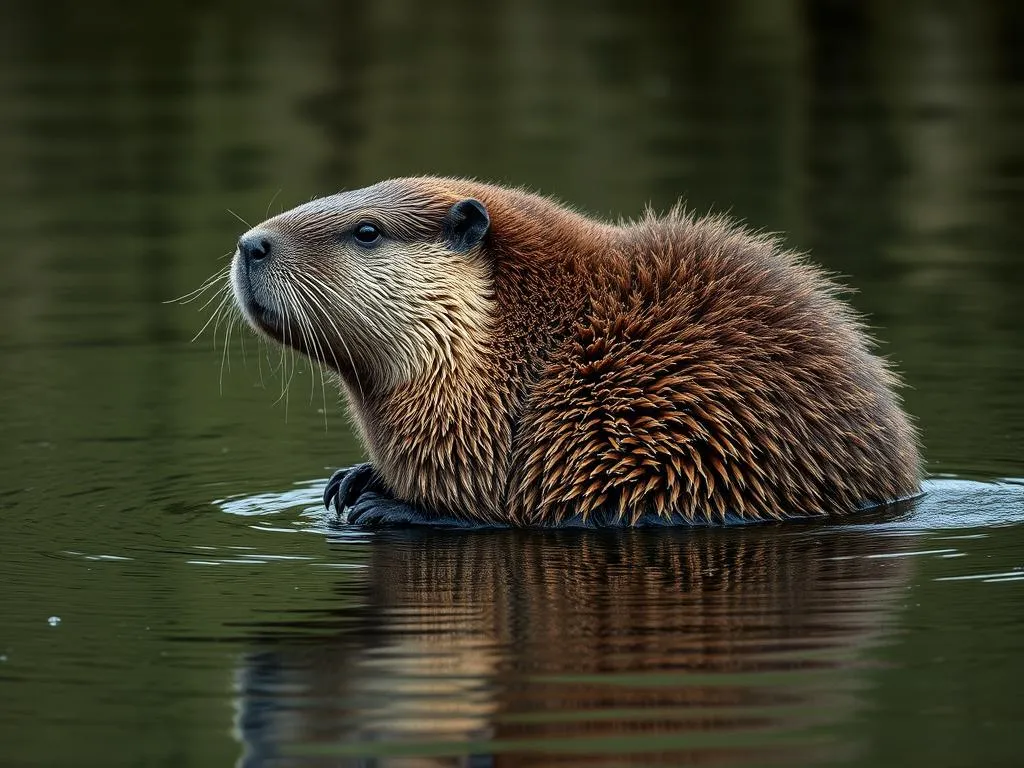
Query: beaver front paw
[[373, 510], [361, 493], [348, 484]]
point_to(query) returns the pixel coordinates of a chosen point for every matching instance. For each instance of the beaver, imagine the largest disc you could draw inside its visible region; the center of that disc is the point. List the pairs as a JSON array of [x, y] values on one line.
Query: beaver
[[509, 361]]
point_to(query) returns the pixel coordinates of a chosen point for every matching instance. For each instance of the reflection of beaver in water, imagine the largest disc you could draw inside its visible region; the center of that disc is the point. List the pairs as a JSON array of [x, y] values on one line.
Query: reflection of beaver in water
[[704, 647], [509, 361]]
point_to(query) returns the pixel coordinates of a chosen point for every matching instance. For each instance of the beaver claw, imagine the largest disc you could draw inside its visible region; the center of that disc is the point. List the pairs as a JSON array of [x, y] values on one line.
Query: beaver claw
[[346, 485], [359, 490], [375, 511]]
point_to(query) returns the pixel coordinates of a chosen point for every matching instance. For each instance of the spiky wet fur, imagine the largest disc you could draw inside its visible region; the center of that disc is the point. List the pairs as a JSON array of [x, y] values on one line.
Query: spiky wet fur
[[668, 366]]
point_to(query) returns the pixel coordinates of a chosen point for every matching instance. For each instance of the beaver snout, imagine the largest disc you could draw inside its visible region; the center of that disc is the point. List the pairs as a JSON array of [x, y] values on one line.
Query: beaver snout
[[249, 277], [254, 247]]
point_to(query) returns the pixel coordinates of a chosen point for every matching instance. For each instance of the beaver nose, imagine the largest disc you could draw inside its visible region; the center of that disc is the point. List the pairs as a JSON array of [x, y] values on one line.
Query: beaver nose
[[254, 246]]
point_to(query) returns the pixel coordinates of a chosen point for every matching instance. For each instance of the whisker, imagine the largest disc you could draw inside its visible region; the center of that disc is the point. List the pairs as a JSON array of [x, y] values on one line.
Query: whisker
[[307, 320], [282, 368], [223, 313], [289, 348], [303, 326], [317, 318], [267, 214], [192, 295], [247, 224], [262, 348], [224, 358], [214, 316], [304, 345], [326, 294], [241, 339], [226, 287]]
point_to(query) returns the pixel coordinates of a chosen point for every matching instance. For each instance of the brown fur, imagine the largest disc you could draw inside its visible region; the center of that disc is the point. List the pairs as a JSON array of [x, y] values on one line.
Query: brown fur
[[667, 366]]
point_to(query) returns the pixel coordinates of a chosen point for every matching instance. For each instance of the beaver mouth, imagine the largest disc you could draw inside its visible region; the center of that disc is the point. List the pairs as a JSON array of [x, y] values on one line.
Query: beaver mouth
[[269, 314], [267, 319], [258, 313]]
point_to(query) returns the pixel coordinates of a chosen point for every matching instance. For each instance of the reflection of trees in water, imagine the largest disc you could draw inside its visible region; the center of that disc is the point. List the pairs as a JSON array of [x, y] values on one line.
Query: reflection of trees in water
[[702, 646]]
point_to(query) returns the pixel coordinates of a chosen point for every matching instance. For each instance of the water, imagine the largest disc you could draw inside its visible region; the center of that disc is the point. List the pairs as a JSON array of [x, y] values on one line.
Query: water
[[172, 593]]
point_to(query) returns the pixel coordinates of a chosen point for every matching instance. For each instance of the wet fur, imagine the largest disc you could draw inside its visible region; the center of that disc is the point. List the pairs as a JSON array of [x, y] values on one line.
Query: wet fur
[[672, 368]]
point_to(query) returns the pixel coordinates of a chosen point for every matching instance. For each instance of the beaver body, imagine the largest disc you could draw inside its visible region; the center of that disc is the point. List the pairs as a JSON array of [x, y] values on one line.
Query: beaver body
[[509, 361]]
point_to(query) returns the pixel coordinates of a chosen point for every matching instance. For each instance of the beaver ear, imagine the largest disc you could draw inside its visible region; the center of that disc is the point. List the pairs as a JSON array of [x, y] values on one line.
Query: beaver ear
[[465, 224]]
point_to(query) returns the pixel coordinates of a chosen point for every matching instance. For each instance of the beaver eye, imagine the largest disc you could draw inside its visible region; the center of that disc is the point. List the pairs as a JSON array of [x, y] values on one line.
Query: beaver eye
[[367, 234]]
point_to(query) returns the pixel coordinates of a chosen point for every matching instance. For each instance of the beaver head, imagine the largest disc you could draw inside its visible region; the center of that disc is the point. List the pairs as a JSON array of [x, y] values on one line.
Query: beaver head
[[381, 284]]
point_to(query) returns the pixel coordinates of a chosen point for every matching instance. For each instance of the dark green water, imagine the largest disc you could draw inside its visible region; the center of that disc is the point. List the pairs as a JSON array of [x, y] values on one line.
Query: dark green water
[[171, 592]]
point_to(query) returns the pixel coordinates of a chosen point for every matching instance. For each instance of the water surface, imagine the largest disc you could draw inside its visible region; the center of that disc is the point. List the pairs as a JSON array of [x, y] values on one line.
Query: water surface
[[172, 592]]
